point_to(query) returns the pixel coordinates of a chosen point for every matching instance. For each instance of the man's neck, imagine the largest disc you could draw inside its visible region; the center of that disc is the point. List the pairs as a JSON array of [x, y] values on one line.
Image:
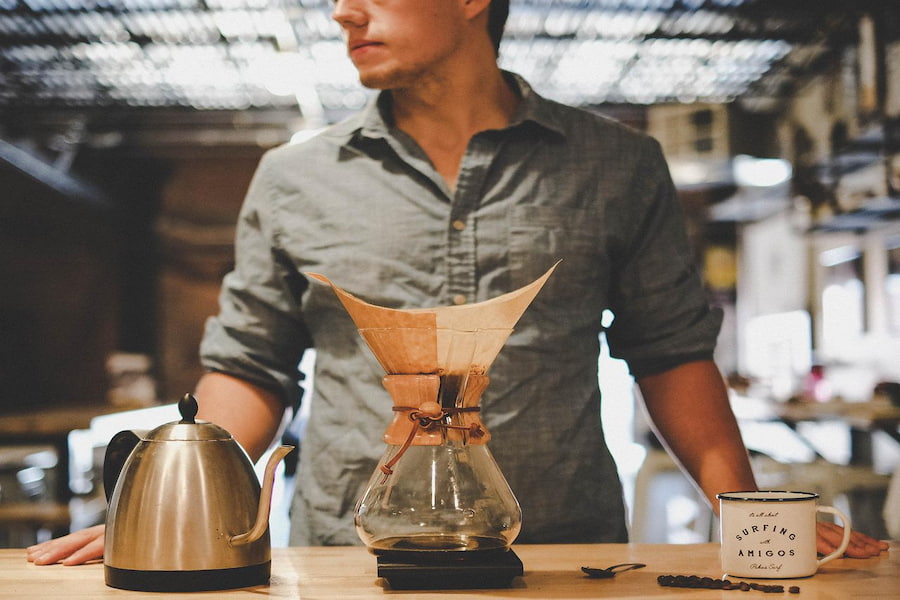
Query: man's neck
[[442, 114], [481, 101]]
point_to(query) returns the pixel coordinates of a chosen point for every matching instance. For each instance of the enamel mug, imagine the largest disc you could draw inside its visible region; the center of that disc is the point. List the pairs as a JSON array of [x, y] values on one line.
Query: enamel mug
[[772, 534]]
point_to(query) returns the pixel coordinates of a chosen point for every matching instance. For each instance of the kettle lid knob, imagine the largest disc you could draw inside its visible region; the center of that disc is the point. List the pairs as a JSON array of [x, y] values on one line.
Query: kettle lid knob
[[189, 428], [188, 408]]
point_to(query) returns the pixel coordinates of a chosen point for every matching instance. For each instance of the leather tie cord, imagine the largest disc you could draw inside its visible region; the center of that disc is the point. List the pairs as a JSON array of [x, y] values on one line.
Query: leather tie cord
[[427, 420]]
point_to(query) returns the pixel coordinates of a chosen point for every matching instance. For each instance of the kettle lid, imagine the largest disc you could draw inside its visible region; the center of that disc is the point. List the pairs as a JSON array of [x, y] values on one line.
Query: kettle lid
[[188, 428]]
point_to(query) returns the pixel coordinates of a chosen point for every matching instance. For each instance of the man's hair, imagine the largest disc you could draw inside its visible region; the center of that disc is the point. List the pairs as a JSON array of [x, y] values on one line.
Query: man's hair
[[497, 13]]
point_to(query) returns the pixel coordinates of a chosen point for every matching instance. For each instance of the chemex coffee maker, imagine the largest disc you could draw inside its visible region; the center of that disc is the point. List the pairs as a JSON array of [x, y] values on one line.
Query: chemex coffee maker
[[186, 510], [437, 512]]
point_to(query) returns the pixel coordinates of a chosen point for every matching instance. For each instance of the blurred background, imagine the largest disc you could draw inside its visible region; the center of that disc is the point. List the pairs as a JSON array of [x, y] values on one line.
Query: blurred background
[[129, 130]]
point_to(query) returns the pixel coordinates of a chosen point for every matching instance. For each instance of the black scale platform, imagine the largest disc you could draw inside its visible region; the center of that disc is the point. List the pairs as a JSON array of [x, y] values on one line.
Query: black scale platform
[[444, 571]]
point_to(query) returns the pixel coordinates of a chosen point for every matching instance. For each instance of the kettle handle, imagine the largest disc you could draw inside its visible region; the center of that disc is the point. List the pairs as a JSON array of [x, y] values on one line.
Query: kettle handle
[[117, 452]]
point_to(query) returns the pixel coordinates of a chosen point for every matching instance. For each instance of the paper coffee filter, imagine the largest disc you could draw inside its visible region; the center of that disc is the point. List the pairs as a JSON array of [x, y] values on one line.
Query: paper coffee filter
[[421, 340]]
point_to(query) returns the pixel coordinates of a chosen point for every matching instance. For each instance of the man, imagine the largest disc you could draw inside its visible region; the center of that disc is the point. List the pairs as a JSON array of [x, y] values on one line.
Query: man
[[457, 185]]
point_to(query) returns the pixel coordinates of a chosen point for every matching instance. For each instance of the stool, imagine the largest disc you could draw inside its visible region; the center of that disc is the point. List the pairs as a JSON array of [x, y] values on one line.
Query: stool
[[662, 491]]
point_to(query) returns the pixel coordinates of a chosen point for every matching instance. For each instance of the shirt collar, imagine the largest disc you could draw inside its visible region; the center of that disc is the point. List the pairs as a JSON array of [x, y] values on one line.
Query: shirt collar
[[375, 119], [533, 107]]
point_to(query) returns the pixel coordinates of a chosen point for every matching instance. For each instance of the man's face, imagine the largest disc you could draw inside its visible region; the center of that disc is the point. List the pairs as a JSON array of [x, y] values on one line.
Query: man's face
[[395, 43]]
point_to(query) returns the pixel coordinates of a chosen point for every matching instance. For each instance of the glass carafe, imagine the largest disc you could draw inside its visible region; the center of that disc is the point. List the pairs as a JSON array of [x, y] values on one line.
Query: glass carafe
[[437, 487]]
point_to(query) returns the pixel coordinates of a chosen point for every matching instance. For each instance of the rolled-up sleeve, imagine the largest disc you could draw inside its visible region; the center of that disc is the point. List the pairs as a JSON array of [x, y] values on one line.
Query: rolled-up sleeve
[[662, 315], [259, 334]]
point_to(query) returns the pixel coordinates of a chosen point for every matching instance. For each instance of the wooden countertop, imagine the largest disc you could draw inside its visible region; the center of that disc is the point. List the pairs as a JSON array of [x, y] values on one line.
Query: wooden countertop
[[551, 572]]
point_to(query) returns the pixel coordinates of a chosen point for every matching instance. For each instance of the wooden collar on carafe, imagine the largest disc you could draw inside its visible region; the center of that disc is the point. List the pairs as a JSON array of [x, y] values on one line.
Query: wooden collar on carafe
[[418, 415]]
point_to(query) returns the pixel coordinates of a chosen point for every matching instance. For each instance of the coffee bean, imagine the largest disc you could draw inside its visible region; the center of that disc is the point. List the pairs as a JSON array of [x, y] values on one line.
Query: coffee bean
[[708, 583]]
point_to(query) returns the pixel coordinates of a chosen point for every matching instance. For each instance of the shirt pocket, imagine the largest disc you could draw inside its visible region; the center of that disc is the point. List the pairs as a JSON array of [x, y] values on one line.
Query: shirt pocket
[[539, 236]]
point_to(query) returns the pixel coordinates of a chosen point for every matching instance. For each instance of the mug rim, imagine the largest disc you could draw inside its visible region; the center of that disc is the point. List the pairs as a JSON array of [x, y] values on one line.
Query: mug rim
[[758, 496]]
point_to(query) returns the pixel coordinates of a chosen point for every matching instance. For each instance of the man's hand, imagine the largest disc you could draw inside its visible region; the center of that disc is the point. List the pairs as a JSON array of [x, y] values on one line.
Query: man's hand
[[861, 545], [74, 549]]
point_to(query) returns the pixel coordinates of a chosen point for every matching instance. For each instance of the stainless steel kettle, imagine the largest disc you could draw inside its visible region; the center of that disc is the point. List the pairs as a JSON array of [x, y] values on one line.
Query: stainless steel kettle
[[186, 510]]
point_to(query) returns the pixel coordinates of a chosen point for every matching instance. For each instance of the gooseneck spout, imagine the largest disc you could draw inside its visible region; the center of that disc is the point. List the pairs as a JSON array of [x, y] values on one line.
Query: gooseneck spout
[[265, 499]]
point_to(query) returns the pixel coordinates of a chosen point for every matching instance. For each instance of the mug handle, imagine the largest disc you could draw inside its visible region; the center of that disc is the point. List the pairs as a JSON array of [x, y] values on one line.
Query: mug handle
[[846, 539]]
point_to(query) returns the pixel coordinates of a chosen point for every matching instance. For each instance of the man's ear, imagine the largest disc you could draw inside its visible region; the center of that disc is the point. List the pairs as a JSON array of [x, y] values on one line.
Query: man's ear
[[473, 8]]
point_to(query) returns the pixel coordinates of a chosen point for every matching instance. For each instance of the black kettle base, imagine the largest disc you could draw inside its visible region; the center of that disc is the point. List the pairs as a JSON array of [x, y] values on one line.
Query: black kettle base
[[188, 581]]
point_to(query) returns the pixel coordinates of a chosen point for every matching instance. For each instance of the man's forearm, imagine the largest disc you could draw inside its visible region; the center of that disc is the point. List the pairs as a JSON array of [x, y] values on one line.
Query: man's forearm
[[689, 408], [250, 413]]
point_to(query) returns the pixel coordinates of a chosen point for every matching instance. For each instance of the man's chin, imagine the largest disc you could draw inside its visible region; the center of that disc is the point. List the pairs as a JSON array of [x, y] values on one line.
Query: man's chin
[[386, 80], [372, 85], [376, 83]]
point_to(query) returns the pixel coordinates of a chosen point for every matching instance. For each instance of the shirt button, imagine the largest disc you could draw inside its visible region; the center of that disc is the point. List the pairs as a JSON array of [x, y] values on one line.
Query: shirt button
[[458, 225], [459, 299]]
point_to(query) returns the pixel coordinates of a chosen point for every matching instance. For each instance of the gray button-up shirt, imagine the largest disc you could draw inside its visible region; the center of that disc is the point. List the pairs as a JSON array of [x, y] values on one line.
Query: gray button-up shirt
[[362, 204]]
